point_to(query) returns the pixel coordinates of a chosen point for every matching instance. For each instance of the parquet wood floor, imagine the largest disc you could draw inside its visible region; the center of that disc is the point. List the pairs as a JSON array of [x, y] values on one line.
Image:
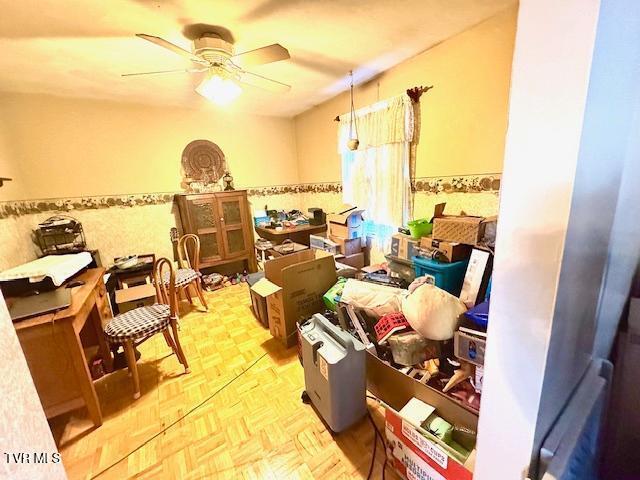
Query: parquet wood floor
[[254, 427]]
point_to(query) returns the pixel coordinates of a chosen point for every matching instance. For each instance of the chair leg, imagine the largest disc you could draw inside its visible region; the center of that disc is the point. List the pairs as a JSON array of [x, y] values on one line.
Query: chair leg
[[187, 294], [166, 339], [179, 352], [200, 293], [133, 367], [169, 339]]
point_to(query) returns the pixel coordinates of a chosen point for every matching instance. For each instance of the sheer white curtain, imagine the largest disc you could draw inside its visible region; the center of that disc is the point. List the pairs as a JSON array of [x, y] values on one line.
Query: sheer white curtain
[[376, 176]]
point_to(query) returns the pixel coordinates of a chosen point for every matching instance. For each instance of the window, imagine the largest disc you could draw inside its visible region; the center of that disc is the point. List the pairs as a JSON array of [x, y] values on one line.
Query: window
[[376, 175]]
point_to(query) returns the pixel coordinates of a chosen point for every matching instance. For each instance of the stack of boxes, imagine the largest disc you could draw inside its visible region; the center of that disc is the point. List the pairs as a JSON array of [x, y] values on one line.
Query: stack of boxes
[[445, 253], [345, 239]]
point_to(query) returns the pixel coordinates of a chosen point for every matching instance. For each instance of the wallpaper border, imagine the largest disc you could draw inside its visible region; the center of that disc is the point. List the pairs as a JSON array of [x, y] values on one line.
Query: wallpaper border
[[458, 184], [430, 185]]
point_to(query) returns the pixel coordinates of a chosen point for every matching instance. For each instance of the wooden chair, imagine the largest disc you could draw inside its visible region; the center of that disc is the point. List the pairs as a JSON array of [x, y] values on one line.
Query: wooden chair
[[131, 328], [188, 274]]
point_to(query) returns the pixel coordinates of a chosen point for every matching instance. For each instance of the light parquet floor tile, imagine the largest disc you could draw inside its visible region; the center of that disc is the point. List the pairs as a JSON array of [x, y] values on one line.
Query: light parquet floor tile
[[253, 427]]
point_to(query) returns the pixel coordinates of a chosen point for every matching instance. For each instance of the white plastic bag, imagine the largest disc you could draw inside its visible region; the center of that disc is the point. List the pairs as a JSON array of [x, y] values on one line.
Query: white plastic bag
[[433, 312], [376, 300]]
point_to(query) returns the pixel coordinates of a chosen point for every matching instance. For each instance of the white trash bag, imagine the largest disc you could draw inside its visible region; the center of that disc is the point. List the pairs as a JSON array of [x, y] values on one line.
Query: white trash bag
[[433, 312], [376, 300]]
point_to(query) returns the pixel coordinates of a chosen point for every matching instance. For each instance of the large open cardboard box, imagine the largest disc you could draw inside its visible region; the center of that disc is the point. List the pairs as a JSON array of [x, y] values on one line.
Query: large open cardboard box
[[395, 389], [297, 284], [260, 291]]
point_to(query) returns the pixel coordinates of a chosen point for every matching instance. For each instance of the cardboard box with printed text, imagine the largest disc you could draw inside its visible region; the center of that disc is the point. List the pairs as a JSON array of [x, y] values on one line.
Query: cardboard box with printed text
[[297, 284]]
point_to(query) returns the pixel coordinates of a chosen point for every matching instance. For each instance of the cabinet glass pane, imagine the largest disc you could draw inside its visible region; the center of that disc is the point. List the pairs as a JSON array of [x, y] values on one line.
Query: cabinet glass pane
[[231, 212], [203, 215], [235, 239], [208, 246]]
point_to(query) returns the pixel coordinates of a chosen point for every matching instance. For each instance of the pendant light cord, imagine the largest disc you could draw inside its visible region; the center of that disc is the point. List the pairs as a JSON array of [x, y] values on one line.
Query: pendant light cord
[[353, 111]]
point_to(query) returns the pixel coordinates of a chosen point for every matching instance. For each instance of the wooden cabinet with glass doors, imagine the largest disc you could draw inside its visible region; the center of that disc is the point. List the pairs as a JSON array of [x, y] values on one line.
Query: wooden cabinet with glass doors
[[223, 223]]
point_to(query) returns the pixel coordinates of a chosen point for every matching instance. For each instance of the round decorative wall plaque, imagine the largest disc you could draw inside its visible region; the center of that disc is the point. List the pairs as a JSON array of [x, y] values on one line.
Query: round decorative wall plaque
[[203, 161]]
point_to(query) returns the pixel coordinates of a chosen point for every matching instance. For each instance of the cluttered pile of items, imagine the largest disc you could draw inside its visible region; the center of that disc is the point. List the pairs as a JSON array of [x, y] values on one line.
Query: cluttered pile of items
[[270, 218], [417, 335]]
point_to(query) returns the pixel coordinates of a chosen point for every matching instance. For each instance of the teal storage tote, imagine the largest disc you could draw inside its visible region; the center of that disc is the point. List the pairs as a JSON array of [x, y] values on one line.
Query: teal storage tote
[[448, 276]]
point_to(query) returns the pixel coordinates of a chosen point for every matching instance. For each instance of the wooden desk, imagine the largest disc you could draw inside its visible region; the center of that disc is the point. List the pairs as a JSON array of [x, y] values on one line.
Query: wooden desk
[[54, 344], [297, 234]]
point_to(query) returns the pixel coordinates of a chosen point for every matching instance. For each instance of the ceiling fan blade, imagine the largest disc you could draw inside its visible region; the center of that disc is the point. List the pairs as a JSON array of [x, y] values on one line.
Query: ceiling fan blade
[[260, 56], [170, 46], [255, 80], [161, 72]]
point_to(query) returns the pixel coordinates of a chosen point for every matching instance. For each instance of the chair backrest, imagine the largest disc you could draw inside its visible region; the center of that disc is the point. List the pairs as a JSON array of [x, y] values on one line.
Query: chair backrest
[[189, 251], [165, 293]]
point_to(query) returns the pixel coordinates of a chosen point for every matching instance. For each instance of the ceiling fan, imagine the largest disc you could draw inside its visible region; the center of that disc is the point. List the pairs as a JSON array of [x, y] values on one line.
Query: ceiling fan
[[225, 70]]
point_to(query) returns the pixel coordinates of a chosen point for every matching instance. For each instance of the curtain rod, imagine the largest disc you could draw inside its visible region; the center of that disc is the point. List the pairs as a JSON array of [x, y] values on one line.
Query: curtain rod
[[413, 93]]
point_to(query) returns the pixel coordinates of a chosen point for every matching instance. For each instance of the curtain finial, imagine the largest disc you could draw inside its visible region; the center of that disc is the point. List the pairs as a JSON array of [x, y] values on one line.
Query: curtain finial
[[416, 92]]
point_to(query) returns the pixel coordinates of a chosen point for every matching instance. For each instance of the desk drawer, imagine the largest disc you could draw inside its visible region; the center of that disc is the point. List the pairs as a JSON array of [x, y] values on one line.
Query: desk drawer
[[102, 304]]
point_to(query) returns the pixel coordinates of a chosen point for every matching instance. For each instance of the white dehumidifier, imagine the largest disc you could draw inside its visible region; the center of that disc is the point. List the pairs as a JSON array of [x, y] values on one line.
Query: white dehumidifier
[[334, 372]]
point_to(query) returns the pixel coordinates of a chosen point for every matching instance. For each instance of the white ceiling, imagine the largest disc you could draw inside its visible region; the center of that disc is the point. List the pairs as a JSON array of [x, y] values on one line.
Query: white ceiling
[[80, 47]]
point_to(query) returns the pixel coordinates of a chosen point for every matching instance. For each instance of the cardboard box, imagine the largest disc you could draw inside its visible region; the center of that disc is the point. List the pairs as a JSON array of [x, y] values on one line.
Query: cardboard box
[[297, 284], [404, 246], [346, 225], [317, 242], [465, 229], [451, 251], [417, 454], [395, 389], [356, 260], [135, 297], [348, 246], [259, 293]]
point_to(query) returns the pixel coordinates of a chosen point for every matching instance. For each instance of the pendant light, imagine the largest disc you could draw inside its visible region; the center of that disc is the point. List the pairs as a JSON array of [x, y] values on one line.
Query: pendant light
[[353, 142]]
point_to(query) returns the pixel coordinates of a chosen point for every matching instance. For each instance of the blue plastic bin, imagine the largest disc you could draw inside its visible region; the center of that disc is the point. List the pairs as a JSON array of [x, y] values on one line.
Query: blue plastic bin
[[448, 276], [479, 314]]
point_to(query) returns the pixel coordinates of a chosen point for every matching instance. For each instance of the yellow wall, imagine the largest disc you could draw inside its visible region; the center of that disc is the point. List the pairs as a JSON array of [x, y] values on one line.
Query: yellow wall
[[464, 117], [61, 147], [9, 168]]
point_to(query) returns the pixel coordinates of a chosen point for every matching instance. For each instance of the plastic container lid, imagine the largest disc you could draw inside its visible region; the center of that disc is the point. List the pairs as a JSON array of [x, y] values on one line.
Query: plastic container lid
[[435, 264]]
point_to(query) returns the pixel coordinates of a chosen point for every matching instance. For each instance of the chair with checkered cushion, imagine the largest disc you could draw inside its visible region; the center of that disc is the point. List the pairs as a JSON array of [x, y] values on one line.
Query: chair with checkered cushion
[[188, 275], [131, 328]]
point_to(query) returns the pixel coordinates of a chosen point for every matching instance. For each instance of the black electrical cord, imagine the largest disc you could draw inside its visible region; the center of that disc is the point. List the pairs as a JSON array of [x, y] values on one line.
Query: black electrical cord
[[375, 445], [377, 435], [202, 403]]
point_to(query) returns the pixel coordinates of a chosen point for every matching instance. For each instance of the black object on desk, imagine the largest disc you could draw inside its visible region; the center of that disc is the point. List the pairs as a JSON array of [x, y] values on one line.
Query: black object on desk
[[39, 303], [319, 216]]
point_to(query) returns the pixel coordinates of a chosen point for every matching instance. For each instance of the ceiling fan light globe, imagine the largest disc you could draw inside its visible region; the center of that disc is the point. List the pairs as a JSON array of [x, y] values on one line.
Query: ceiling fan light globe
[[219, 90]]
